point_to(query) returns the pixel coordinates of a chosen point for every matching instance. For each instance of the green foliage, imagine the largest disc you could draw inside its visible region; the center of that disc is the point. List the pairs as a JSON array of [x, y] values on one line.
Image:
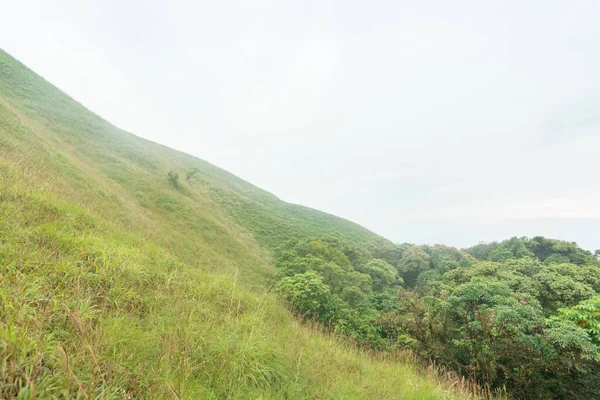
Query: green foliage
[[492, 321], [546, 250], [498, 338], [558, 251], [414, 261], [489, 320], [319, 280], [113, 285], [309, 295], [326, 249], [482, 250], [510, 249], [445, 258], [190, 174], [586, 315], [382, 274], [562, 285], [418, 259], [173, 178]]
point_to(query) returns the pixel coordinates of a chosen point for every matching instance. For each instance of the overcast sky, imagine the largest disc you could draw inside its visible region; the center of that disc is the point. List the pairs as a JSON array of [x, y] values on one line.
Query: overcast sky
[[426, 121]]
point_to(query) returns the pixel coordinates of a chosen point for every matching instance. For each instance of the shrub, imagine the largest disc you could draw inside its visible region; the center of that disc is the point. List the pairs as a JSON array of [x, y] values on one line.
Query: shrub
[[191, 173], [174, 178]]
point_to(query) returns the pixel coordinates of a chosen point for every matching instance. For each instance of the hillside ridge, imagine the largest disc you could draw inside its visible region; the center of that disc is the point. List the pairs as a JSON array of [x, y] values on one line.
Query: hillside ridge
[[100, 126], [119, 282]]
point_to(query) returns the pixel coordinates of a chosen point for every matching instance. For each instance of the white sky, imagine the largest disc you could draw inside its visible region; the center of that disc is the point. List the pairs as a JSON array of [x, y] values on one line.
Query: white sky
[[425, 121]]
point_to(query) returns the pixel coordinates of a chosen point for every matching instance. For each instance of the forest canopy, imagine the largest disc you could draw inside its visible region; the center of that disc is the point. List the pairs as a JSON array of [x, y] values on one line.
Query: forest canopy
[[521, 314]]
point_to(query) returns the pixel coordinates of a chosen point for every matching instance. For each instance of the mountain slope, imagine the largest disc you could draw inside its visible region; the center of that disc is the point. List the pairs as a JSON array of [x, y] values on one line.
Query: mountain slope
[[117, 282]]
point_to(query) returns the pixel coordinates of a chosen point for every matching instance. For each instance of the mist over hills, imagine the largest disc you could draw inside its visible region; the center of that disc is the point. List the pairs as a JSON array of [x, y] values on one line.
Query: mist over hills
[[130, 269]]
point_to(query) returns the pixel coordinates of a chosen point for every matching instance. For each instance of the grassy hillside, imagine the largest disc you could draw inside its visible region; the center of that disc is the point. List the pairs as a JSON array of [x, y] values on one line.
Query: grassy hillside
[[116, 283]]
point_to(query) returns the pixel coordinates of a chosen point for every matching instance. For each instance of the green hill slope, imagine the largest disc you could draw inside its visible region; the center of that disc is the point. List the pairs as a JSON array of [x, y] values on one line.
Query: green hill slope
[[117, 283]]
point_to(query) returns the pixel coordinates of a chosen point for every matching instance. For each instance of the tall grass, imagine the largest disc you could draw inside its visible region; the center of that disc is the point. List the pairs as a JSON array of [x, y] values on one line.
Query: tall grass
[[87, 311], [114, 284]]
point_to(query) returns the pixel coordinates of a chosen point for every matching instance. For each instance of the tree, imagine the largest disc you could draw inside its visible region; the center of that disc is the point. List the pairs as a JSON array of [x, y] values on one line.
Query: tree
[[509, 249], [445, 258], [498, 338], [586, 315], [191, 173], [493, 320], [562, 285], [309, 295], [413, 261], [482, 250], [383, 275], [559, 251]]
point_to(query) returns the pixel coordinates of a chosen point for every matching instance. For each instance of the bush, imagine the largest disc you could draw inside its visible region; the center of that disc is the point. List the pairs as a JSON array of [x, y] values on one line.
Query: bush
[[174, 178], [190, 174]]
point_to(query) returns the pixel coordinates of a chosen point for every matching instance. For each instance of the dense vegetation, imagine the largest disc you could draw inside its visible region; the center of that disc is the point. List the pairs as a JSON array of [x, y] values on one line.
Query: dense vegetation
[[523, 314], [130, 270]]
